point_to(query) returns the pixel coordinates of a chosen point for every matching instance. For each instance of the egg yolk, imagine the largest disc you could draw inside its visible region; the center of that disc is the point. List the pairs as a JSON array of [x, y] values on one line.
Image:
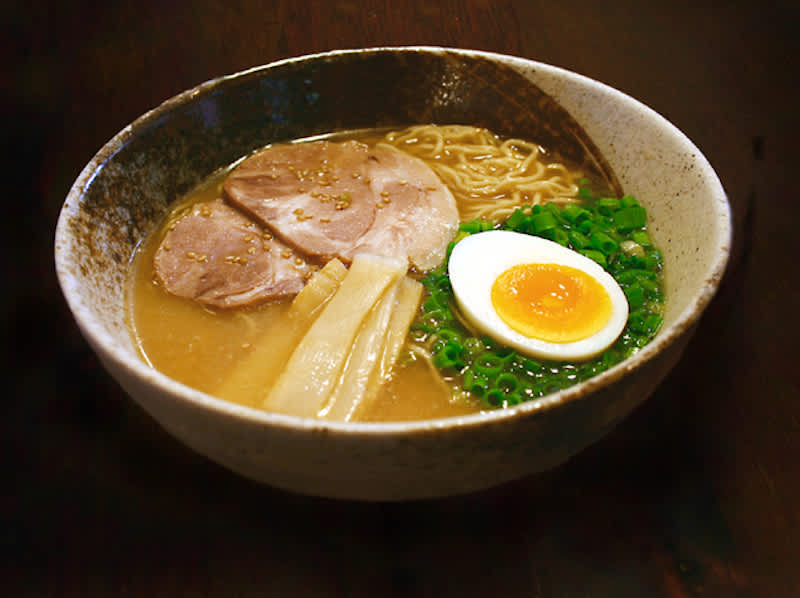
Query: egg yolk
[[551, 302]]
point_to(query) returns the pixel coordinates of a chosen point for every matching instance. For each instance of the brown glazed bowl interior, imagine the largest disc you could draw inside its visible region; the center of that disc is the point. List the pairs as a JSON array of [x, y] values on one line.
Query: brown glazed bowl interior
[[130, 184]]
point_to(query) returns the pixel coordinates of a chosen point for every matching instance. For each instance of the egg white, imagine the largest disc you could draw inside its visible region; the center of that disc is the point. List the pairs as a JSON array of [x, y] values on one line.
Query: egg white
[[477, 261]]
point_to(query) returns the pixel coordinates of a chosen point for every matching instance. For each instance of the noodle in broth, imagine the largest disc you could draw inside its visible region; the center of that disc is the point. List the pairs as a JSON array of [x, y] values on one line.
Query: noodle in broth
[[488, 176]]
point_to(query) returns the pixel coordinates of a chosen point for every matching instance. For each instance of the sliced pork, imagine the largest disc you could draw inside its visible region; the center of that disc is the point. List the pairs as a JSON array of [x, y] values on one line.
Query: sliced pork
[[218, 256], [329, 199]]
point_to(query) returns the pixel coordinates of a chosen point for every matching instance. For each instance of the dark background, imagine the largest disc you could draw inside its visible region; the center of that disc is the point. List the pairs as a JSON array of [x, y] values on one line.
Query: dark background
[[696, 494]]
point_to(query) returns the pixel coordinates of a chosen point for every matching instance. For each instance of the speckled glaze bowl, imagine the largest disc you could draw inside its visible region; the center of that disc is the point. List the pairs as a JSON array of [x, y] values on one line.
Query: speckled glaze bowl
[[131, 182]]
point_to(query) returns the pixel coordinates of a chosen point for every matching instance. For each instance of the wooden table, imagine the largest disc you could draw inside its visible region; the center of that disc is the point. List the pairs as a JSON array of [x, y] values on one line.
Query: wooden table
[[696, 494]]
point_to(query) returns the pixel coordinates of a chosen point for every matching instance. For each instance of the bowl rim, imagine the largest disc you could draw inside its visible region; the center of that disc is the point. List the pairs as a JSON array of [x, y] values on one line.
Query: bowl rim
[[109, 349]]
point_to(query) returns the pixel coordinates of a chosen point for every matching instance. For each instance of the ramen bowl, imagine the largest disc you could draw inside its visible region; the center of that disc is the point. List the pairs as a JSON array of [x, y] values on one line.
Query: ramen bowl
[[128, 187]]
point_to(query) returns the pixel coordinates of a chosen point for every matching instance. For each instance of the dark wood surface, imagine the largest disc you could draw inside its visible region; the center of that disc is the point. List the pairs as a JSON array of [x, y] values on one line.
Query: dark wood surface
[[696, 494]]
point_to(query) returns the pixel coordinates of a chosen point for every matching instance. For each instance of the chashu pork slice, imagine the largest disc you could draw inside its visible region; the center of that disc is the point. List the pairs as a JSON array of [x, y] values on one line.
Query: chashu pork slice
[[218, 256], [331, 199]]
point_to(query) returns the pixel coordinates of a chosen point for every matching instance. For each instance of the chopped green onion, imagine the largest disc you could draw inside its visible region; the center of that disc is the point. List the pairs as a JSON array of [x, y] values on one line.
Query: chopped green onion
[[633, 275], [642, 238], [652, 323], [495, 398], [435, 318], [473, 347], [475, 383], [488, 343], [436, 301], [651, 288], [477, 225], [653, 260], [449, 356], [605, 229], [626, 219], [597, 256], [488, 364], [560, 236], [607, 205], [450, 335], [515, 220], [507, 382], [543, 221], [574, 213], [602, 242], [635, 295], [578, 239], [531, 365], [628, 200]]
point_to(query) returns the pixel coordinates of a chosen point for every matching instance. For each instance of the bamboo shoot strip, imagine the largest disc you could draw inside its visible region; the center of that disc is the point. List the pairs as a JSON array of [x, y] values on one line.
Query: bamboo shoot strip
[[254, 376], [409, 296], [362, 361], [316, 364], [387, 344]]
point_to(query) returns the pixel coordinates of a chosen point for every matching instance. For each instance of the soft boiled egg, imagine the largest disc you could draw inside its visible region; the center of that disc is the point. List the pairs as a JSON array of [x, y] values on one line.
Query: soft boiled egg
[[536, 296]]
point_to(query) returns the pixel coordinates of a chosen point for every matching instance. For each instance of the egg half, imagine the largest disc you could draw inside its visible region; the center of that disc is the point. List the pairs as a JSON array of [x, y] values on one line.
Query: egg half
[[536, 296]]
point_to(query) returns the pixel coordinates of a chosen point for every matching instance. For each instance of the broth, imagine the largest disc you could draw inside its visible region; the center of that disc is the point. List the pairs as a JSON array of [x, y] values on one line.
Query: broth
[[199, 345]]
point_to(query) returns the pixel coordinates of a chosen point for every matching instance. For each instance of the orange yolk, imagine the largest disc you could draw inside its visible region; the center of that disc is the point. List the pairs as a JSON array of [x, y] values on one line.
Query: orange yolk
[[551, 302]]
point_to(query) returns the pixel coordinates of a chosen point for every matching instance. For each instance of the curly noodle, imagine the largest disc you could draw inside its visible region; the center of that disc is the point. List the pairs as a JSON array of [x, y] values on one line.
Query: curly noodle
[[489, 177]]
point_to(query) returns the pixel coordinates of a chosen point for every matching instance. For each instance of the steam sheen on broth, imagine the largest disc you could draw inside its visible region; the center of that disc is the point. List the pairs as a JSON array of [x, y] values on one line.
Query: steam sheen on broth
[[200, 344]]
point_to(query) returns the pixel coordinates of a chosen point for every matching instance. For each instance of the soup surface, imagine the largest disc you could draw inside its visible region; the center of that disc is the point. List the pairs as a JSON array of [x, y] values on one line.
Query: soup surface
[[201, 344]]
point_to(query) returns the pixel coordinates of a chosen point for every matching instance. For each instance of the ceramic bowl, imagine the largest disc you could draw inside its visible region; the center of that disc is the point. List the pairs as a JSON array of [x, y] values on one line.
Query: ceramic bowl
[[129, 185]]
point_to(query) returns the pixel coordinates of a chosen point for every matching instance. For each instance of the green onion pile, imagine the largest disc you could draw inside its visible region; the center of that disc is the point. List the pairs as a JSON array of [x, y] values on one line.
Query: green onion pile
[[610, 231]]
